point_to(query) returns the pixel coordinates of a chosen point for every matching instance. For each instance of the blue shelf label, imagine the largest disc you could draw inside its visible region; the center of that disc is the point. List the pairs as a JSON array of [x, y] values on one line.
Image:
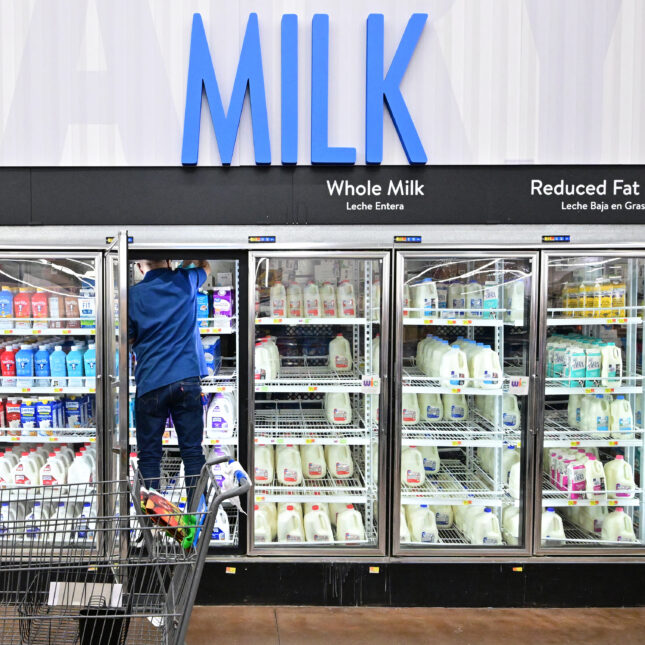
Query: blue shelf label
[[260, 239], [407, 239], [556, 238]]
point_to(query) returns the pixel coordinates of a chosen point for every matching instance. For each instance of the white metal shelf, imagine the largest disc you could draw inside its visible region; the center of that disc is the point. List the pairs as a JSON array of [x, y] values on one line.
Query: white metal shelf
[[58, 435], [551, 496], [558, 433], [280, 420], [451, 322], [556, 385], [309, 378], [370, 538], [218, 325], [416, 381], [574, 322], [73, 331], [476, 431], [575, 534], [70, 389], [224, 381], [172, 441], [454, 484], [292, 322]]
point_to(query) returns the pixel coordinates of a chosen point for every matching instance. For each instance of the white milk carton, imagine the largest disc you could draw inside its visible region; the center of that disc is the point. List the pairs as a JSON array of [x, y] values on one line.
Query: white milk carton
[[552, 529], [619, 479], [289, 466], [340, 354], [349, 525], [290, 528], [317, 525], [618, 527], [412, 468], [338, 408], [410, 413], [278, 298], [339, 461], [313, 461], [264, 465]]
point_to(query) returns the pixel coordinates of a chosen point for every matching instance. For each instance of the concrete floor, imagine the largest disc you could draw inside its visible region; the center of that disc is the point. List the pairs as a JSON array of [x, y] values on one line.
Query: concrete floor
[[393, 626]]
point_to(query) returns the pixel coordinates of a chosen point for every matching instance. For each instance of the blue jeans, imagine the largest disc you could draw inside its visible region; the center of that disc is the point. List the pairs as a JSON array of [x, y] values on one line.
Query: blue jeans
[[183, 401]]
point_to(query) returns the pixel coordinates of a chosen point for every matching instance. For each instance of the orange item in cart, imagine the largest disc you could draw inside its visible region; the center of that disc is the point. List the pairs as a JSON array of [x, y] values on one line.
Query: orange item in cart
[[164, 513]]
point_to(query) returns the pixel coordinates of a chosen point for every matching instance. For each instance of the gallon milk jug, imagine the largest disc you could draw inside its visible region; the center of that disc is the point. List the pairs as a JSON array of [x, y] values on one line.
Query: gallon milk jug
[[574, 410], [270, 511], [619, 479], [511, 412], [431, 460], [424, 298], [54, 472], [456, 300], [511, 525], [510, 456], [264, 366], [618, 527], [278, 298], [346, 302], [474, 299], [290, 528], [80, 472], [222, 529], [323, 506], [407, 303], [443, 516], [453, 368], [26, 471], [349, 525], [612, 365], [339, 461], [6, 469], [486, 372], [328, 300], [338, 408], [295, 305], [596, 416], [430, 407], [412, 469], [485, 529], [552, 529], [593, 368], [317, 525], [340, 354], [591, 518], [36, 522], [404, 530], [289, 466], [514, 302], [312, 457], [274, 354], [312, 300], [12, 516], [264, 464], [221, 416], [621, 419], [455, 407], [262, 527], [422, 524], [410, 413], [421, 348], [514, 479]]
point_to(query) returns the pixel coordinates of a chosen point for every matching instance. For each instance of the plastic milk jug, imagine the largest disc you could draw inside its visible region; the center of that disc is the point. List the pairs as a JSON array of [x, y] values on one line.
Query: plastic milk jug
[[312, 300], [574, 410], [270, 511], [596, 415], [487, 371], [619, 479], [264, 365], [54, 472], [591, 518], [6, 308], [485, 529], [430, 407], [456, 300], [221, 416], [338, 408], [593, 369], [431, 460], [422, 524], [328, 300], [312, 457], [6, 469], [612, 365], [514, 302], [75, 367], [274, 354], [552, 529], [511, 525], [455, 407], [345, 300], [339, 461], [295, 304], [618, 527], [410, 413], [262, 527], [290, 528], [80, 472], [474, 299], [424, 299], [11, 517], [421, 346], [621, 419], [514, 480], [25, 367], [289, 466], [349, 525], [404, 530], [26, 471], [511, 417], [340, 354], [510, 456], [317, 525], [58, 367], [412, 468], [453, 369], [443, 516], [278, 297], [433, 352], [36, 520]]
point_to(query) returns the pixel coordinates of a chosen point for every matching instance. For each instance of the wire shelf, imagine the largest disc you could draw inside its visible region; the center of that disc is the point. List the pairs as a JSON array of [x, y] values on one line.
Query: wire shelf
[[556, 321], [552, 496], [309, 321], [630, 385], [558, 432], [53, 435], [55, 386], [414, 380], [370, 538], [575, 534], [312, 378], [217, 326], [224, 381], [476, 431], [439, 320]]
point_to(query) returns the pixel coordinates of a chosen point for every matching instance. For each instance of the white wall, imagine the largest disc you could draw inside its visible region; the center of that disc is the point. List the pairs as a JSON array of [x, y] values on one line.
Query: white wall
[[102, 82]]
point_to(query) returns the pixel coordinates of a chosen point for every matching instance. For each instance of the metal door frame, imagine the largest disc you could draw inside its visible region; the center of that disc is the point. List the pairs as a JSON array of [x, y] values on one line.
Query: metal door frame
[[528, 440], [330, 552], [539, 550]]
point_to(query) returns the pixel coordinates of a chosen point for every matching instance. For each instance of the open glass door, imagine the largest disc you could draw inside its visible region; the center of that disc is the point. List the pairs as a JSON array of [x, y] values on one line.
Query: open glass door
[[591, 471], [464, 351]]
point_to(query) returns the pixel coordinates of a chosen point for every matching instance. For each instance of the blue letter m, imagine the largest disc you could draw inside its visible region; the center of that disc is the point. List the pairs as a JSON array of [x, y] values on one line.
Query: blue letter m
[[201, 74]]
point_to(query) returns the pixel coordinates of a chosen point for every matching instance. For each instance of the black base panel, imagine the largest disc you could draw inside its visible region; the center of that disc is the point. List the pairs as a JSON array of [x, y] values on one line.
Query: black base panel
[[425, 585]]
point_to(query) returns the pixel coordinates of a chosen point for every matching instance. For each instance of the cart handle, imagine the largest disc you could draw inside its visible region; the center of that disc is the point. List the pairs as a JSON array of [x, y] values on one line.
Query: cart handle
[[219, 459], [243, 488]]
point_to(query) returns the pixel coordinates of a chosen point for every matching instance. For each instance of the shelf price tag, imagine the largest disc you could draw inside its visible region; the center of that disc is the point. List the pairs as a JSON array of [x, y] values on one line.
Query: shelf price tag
[[573, 444], [259, 498], [572, 502], [52, 439], [518, 385], [92, 390], [7, 331], [612, 502], [456, 443], [467, 502], [261, 388], [370, 384], [593, 502], [66, 331], [428, 321], [456, 390], [15, 438], [310, 440], [26, 389], [312, 388], [612, 443], [277, 321]]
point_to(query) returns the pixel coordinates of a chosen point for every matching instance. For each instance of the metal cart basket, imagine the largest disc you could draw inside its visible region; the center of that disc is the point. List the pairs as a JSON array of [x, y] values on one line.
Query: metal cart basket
[[78, 567]]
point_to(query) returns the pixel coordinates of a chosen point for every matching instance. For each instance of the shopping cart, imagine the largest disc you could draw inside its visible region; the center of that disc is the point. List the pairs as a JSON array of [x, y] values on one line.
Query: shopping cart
[[84, 564]]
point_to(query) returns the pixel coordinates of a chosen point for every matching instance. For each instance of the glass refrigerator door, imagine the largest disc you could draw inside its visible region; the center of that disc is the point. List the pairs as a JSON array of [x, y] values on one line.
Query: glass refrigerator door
[[48, 356], [318, 365], [464, 353], [592, 439], [217, 319]]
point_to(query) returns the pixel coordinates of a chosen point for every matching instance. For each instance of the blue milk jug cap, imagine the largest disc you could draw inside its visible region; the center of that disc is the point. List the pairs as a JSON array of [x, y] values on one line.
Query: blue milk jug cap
[[487, 510], [551, 509], [620, 397], [428, 280], [599, 396]]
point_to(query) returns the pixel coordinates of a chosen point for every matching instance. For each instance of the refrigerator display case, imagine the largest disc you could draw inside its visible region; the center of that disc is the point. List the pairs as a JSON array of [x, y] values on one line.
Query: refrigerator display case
[[589, 480], [218, 322], [317, 426], [464, 348]]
